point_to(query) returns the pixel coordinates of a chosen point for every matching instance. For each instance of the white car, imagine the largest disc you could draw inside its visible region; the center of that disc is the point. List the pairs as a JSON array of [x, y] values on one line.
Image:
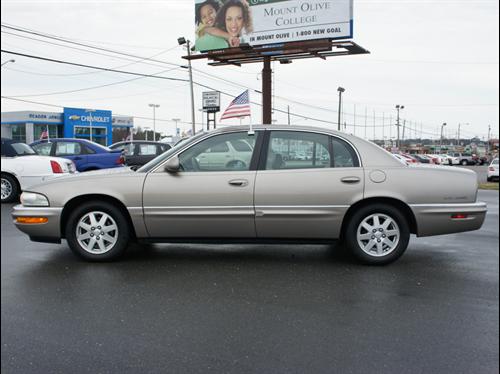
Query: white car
[[493, 170], [23, 168], [450, 160]]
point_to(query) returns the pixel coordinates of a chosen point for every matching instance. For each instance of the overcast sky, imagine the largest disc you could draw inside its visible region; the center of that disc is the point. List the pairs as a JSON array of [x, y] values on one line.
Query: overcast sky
[[439, 58]]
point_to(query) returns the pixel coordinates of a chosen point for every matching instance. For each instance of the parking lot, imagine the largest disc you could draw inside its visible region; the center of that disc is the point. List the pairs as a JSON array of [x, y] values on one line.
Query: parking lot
[[253, 309]]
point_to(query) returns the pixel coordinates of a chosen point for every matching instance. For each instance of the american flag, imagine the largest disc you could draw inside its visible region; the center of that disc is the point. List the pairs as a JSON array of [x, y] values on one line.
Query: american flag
[[239, 107], [45, 134]]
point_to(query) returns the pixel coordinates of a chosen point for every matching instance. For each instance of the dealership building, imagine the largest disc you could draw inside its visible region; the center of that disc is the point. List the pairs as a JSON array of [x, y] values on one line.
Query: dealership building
[[28, 126]]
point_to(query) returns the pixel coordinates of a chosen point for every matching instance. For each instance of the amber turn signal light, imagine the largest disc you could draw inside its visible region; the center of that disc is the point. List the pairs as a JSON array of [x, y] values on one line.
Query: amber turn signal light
[[32, 220]]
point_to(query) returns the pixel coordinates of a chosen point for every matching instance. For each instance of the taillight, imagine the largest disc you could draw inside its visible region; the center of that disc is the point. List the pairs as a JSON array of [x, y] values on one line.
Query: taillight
[[56, 168], [492, 168], [120, 160]]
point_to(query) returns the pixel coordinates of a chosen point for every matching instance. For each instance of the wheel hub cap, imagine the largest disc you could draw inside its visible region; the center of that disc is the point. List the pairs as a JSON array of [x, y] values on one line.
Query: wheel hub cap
[[97, 232], [6, 189], [378, 235]]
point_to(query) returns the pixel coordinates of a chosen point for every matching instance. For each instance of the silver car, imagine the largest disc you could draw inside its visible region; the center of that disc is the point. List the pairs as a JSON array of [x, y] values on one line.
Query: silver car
[[349, 190]]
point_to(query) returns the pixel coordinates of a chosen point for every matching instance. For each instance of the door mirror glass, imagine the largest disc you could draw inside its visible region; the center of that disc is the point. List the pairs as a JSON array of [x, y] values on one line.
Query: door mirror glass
[[173, 165]]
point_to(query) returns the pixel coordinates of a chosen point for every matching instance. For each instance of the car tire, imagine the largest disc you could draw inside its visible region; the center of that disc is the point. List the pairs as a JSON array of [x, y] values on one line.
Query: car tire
[[377, 234], [10, 189], [465, 162], [97, 231]]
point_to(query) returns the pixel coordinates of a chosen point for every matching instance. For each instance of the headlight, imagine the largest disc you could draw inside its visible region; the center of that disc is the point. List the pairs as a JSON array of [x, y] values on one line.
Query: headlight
[[33, 199]]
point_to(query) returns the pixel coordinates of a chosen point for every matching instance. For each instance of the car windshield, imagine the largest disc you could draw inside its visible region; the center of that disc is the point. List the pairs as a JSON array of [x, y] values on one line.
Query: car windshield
[[22, 149], [181, 144]]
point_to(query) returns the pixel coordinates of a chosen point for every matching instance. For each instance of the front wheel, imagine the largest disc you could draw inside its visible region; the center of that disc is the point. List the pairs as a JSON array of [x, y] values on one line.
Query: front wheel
[[97, 231], [377, 234], [10, 190], [465, 163]]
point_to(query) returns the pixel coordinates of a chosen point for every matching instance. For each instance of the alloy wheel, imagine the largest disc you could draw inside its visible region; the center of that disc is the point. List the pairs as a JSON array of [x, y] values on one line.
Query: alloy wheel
[[6, 189], [97, 232], [378, 235]]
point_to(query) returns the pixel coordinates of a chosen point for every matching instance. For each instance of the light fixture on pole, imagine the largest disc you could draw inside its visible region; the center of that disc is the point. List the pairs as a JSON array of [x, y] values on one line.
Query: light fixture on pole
[[398, 107], [340, 91], [176, 120], [90, 111], [154, 106], [6, 62], [442, 128], [183, 41]]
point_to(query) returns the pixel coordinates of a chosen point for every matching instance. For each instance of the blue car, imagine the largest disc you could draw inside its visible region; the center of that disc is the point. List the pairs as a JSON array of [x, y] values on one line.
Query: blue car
[[85, 154]]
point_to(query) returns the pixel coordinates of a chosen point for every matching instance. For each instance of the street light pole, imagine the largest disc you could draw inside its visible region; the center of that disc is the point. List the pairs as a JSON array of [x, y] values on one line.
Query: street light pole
[[441, 143], [6, 62], [398, 107], [489, 137], [340, 91], [182, 41], [459, 125], [154, 106]]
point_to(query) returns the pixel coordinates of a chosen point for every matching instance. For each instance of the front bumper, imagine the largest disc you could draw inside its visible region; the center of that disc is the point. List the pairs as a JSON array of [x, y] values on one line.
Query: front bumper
[[436, 219], [46, 232]]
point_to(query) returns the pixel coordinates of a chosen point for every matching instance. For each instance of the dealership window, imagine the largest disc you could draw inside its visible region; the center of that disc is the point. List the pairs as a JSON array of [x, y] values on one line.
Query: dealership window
[[19, 132], [99, 134]]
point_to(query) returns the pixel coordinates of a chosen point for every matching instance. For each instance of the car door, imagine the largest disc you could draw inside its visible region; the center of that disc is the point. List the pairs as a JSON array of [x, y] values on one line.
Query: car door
[[201, 201], [73, 151], [305, 198]]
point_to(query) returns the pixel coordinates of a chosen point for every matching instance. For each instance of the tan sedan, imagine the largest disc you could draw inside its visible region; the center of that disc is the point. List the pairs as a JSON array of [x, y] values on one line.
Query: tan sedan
[[347, 189]]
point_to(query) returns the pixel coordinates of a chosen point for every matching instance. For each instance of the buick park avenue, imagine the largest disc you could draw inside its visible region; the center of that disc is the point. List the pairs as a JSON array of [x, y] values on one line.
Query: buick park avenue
[[346, 190]]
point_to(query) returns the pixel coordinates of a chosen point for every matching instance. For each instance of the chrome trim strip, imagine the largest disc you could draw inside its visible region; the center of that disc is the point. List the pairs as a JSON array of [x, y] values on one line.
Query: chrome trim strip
[[458, 205]]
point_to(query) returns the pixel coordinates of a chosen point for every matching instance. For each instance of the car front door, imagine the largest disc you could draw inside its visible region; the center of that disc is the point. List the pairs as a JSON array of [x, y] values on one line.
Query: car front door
[[201, 201], [305, 198]]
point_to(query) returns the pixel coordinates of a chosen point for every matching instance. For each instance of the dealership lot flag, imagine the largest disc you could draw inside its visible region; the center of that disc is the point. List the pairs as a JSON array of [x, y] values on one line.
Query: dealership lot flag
[[45, 134], [239, 107]]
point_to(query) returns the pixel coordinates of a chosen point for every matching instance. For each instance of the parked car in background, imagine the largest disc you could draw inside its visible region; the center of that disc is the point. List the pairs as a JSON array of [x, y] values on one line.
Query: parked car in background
[[493, 170], [465, 159], [140, 152], [22, 168], [85, 154], [450, 160], [412, 160], [361, 195], [422, 159]]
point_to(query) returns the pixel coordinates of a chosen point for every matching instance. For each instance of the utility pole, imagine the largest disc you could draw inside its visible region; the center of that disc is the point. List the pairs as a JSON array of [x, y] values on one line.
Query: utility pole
[[340, 91], [441, 143], [289, 122], [489, 137], [398, 107]]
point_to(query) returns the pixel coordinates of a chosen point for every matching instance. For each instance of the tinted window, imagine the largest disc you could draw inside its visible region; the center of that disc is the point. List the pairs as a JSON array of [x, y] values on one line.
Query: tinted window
[[23, 149], [204, 156], [43, 148], [67, 148], [344, 155], [298, 150], [164, 148]]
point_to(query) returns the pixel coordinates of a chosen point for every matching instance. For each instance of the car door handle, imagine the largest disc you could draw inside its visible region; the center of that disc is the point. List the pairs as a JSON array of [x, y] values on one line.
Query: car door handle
[[350, 180], [239, 182]]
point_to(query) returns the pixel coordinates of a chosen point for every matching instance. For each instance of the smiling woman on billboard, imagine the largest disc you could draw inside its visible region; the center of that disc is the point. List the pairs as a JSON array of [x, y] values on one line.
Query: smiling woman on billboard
[[221, 27]]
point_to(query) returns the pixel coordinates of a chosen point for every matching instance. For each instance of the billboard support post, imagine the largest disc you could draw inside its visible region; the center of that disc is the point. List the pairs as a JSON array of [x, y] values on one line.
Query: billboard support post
[[267, 91]]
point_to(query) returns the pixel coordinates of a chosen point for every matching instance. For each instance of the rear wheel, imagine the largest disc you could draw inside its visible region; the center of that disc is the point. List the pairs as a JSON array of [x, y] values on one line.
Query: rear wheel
[[465, 162], [377, 234], [97, 231], [10, 189]]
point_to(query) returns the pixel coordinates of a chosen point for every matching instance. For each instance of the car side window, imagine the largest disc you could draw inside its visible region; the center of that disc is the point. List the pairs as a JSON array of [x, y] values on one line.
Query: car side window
[[68, 149], [213, 154], [164, 148], [147, 150], [43, 148], [298, 150], [344, 155]]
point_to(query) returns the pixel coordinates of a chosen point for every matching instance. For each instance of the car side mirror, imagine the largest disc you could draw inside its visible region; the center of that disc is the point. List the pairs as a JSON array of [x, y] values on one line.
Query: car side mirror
[[173, 165]]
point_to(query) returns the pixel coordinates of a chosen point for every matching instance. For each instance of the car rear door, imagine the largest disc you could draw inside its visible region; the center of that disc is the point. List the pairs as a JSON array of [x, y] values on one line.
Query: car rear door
[[306, 199], [73, 151], [202, 201]]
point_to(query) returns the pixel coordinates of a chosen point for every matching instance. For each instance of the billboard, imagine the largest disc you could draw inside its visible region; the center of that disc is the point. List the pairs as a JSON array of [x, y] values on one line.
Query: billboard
[[224, 24], [77, 123]]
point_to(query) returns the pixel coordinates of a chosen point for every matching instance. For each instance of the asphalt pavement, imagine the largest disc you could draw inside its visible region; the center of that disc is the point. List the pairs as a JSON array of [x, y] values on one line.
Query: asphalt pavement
[[252, 308]]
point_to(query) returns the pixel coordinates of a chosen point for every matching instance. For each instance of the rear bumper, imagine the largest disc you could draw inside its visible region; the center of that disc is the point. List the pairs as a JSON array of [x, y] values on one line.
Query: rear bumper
[[436, 219], [46, 232]]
